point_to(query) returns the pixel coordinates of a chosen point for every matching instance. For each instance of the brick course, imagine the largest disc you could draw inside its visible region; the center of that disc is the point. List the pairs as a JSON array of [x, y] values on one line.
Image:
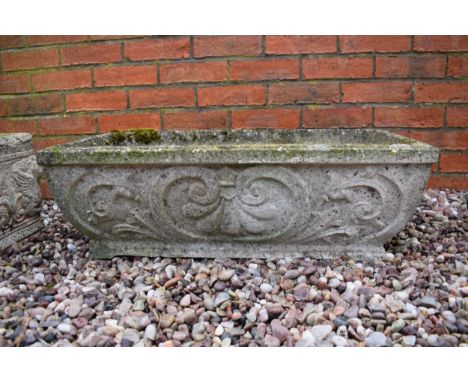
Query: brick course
[[60, 88]]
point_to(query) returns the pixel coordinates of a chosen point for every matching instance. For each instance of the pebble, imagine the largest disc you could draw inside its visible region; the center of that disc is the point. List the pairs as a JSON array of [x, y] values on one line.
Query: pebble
[[263, 315], [75, 307], [292, 274], [198, 330], [339, 341], [150, 332], [226, 274], [185, 301], [396, 285], [301, 292], [220, 298], [65, 328], [414, 296], [429, 302], [166, 320], [320, 332], [280, 332], [351, 312], [449, 316], [409, 340], [189, 316], [6, 292], [179, 336], [376, 339], [139, 305], [271, 341], [398, 325], [219, 331], [266, 288], [39, 278]]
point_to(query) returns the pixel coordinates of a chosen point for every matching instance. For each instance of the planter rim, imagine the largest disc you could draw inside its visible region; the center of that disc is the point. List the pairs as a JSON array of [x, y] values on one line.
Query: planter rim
[[246, 146]]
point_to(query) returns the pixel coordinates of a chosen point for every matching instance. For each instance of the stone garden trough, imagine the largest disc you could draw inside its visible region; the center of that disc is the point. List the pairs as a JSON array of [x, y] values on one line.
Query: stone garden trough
[[242, 193]]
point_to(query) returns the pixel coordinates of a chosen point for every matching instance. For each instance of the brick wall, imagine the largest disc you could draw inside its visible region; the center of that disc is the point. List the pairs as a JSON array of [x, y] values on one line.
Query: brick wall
[[60, 88]]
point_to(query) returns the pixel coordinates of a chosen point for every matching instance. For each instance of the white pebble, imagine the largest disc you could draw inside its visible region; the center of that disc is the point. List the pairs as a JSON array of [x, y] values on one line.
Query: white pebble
[[219, 331]]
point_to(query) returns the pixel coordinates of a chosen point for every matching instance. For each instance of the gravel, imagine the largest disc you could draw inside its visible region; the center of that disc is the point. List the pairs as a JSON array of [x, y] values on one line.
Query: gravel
[[51, 294]]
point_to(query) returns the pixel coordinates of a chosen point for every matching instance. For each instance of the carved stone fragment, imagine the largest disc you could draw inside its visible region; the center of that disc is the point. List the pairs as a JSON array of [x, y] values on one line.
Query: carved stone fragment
[[252, 193], [20, 197]]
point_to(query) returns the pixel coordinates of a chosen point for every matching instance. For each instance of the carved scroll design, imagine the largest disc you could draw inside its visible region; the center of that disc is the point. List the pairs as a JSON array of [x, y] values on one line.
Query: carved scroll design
[[20, 196], [360, 208], [105, 208], [269, 204], [258, 203]]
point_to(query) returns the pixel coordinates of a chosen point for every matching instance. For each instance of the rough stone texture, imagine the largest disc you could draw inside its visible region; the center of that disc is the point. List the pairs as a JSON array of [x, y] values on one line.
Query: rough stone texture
[[20, 197], [247, 193]]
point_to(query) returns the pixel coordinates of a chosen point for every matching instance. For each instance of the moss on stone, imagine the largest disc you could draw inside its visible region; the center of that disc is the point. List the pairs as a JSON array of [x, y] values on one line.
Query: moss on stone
[[140, 136]]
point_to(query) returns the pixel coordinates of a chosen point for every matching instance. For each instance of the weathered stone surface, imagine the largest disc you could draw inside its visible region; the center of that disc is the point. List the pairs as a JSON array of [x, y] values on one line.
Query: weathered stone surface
[[248, 193], [20, 196]]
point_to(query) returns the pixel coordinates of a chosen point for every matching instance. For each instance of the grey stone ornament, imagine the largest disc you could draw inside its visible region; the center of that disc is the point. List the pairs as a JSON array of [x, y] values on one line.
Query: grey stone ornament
[[20, 196], [241, 193]]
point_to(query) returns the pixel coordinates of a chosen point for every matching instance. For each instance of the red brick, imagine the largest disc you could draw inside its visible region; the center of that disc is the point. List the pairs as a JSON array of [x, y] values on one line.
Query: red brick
[[456, 182], [7, 42], [231, 95], [193, 72], [3, 111], [303, 92], [337, 67], [54, 39], [46, 192], [265, 118], [453, 162], [409, 117], [105, 100], [458, 66], [264, 69], [129, 121], [60, 80], [160, 49], [448, 139], [30, 59], [18, 126], [101, 37], [37, 104], [300, 44], [457, 116], [40, 143], [162, 97], [441, 43], [357, 44], [414, 66], [395, 91], [212, 46], [67, 125], [90, 54], [125, 75], [217, 119], [337, 117], [454, 92], [10, 83]]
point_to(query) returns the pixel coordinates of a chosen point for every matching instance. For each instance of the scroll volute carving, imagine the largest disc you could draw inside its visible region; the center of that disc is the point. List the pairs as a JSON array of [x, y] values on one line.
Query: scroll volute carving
[[268, 204]]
